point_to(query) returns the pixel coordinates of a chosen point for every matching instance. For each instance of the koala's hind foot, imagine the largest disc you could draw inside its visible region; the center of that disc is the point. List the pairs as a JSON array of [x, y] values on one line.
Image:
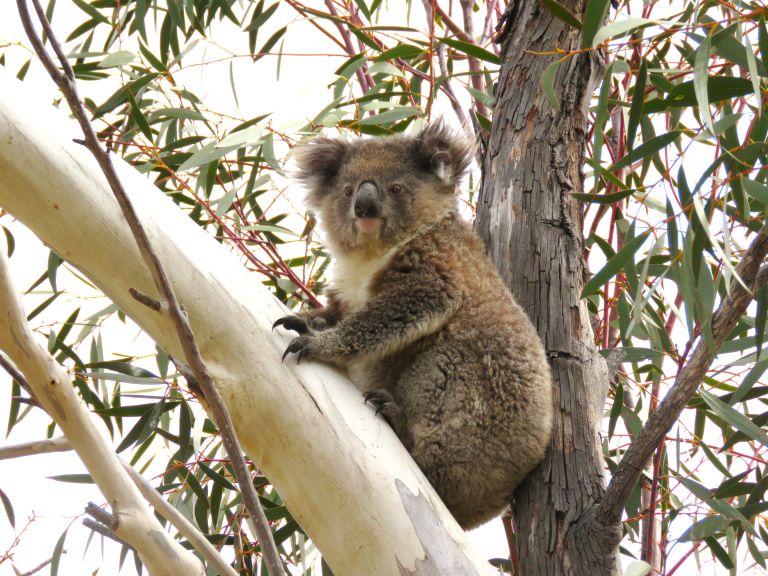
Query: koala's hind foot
[[385, 404]]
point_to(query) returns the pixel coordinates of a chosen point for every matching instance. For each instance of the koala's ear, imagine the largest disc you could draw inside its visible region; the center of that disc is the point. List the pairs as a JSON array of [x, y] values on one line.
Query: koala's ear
[[318, 161], [443, 152]]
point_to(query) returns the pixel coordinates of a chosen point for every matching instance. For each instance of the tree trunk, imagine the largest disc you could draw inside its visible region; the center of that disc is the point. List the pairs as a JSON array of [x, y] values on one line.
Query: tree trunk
[[342, 472], [533, 230]]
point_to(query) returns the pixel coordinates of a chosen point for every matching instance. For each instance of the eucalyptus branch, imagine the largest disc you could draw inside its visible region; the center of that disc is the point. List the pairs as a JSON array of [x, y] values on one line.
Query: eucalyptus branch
[[184, 526], [362, 77], [58, 444], [66, 82], [52, 388], [476, 71], [687, 382]]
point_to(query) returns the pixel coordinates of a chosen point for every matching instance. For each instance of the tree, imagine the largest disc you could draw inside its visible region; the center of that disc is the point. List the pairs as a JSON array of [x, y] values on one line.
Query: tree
[[676, 134]]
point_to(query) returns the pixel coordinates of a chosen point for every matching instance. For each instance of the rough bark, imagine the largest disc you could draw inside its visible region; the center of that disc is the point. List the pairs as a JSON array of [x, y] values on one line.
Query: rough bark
[[343, 474], [532, 227]]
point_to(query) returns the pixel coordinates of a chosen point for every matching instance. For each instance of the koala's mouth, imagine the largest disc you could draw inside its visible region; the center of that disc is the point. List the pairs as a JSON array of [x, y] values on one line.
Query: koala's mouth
[[369, 226]]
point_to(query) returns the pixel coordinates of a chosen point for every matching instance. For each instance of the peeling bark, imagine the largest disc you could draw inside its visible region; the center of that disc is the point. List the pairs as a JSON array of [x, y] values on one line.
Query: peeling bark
[[532, 227]]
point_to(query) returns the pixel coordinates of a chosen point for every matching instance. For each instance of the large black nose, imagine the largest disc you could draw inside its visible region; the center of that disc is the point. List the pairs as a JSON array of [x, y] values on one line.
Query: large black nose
[[367, 200]]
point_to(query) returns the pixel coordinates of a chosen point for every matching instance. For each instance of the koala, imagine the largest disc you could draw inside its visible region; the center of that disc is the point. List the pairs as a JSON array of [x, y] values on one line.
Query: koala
[[420, 319]]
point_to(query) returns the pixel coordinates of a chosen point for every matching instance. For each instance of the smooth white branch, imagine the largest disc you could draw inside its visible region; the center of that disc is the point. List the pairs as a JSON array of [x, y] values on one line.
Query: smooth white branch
[[342, 472], [52, 388]]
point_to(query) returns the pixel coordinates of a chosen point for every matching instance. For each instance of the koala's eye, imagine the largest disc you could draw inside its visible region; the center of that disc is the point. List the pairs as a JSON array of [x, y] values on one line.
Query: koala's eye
[[396, 188], [347, 191]]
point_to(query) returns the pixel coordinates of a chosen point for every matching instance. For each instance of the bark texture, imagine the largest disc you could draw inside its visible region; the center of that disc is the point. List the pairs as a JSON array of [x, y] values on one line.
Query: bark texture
[[532, 227]]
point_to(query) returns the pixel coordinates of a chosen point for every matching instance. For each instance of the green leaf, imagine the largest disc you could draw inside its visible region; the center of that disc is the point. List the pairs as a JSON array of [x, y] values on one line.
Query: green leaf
[[636, 109], [562, 12], [594, 17], [10, 242], [117, 59], [718, 88], [123, 368], [645, 149], [91, 11], [8, 508], [619, 28], [704, 528], [404, 51], [548, 83], [269, 44], [614, 265], [259, 17], [637, 568], [756, 190], [120, 96], [603, 198], [390, 117], [734, 418], [700, 80], [138, 115], [54, 261], [471, 50], [73, 478], [143, 428], [57, 551]]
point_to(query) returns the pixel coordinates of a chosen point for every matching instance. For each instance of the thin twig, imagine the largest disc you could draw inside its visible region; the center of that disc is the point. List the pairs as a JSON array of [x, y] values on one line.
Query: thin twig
[[37, 568], [476, 71], [687, 382], [184, 526], [66, 82], [104, 531]]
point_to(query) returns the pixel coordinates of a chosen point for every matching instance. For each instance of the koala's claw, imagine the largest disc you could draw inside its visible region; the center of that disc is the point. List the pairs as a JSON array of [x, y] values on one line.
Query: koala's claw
[[293, 323], [382, 400], [298, 346]]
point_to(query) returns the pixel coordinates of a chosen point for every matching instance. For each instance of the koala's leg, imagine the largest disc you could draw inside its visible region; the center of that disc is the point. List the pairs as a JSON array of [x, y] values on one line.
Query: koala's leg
[[386, 405]]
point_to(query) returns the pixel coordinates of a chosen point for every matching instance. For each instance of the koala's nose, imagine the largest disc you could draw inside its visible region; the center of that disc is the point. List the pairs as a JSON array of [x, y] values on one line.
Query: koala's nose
[[367, 200]]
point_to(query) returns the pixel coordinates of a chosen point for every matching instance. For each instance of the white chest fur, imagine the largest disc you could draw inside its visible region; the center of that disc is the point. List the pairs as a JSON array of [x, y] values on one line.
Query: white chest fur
[[352, 275]]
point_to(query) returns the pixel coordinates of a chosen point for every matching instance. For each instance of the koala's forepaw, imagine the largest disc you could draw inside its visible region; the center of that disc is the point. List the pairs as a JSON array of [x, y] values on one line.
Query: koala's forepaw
[[299, 346], [292, 322], [383, 401]]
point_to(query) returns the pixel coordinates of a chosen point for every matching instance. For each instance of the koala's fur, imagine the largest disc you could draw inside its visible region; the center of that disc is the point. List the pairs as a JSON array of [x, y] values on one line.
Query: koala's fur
[[420, 318]]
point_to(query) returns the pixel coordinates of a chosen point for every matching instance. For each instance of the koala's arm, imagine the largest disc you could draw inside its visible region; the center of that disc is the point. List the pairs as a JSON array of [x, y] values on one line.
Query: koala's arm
[[398, 315]]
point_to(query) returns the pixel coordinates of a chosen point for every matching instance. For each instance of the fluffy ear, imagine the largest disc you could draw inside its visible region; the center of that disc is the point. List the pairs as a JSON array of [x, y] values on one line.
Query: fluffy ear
[[317, 163], [444, 152]]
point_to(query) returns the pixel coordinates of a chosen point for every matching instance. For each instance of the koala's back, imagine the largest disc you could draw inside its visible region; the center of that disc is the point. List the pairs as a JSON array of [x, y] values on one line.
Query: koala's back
[[474, 389]]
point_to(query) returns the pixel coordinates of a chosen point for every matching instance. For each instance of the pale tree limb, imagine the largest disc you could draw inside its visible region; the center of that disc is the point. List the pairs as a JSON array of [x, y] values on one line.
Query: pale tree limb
[[343, 474], [179, 521], [58, 444], [155, 499], [687, 382], [52, 388], [68, 86]]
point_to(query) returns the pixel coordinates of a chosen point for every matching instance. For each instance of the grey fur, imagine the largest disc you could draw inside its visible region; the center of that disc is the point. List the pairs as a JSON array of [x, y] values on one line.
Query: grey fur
[[421, 320]]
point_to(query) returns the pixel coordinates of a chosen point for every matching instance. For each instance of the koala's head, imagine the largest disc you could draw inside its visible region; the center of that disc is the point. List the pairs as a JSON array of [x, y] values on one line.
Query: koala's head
[[373, 193]]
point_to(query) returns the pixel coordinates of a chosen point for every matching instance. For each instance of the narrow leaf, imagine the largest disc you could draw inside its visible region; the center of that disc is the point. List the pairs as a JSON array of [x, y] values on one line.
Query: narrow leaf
[[700, 81], [594, 18], [614, 265], [734, 418]]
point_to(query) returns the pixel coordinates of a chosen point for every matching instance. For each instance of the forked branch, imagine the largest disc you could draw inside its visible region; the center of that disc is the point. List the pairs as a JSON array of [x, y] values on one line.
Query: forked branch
[[753, 273]]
